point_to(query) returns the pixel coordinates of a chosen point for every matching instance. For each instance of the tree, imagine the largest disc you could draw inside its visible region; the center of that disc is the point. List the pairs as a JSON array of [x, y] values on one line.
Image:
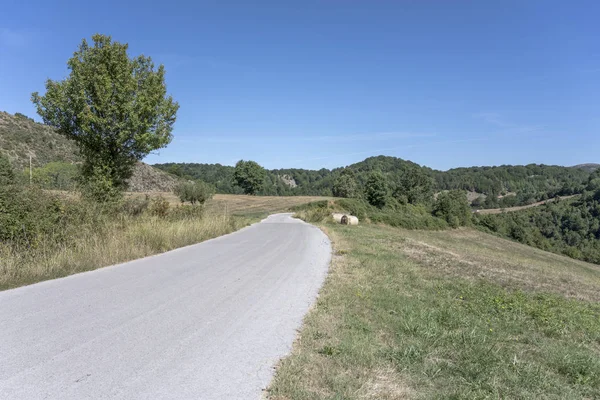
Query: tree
[[345, 185], [7, 175], [114, 107], [175, 169], [249, 175], [414, 187], [453, 207], [194, 192], [376, 189]]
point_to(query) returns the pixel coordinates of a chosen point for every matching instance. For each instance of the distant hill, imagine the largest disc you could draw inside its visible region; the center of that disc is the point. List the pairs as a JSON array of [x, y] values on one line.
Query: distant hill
[[528, 183], [22, 137], [590, 167]]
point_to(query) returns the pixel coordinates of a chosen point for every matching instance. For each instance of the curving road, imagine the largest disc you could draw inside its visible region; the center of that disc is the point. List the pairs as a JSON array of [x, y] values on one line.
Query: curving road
[[208, 321]]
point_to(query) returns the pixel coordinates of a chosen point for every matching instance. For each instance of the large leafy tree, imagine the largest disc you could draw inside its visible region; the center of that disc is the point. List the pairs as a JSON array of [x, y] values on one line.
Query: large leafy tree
[[115, 108], [249, 175], [453, 207], [345, 184], [376, 189], [415, 187]]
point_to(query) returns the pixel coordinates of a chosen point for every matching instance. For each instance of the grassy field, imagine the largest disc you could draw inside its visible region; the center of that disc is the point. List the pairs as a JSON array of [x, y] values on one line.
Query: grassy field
[[118, 238], [241, 204], [446, 315]]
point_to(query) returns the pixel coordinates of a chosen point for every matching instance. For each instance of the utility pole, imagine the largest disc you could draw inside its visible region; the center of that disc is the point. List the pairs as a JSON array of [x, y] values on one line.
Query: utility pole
[[30, 171]]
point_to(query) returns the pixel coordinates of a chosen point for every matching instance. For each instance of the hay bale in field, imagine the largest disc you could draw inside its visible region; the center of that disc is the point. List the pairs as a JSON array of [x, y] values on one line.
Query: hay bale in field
[[337, 217], [349, 220]]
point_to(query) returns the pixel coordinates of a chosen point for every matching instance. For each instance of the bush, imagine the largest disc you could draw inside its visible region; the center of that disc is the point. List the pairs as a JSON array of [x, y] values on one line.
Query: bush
[[28, 213], [56, 175], [194, 192], [410, 217], [356, 207], [135, 206], [159, 207], [7, 176]]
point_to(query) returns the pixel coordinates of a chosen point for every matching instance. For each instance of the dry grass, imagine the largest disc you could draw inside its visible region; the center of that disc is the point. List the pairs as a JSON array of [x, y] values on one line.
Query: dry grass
[[476, 255], [121, 238], [242, 204], [446, 315], [114, 242]]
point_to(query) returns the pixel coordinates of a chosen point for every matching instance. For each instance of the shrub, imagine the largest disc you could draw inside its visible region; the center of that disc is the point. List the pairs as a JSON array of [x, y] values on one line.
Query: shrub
[[7, 176], [159, 207], [135, 206], [28, 213], [56, 175], [356, 207], [194, 192]]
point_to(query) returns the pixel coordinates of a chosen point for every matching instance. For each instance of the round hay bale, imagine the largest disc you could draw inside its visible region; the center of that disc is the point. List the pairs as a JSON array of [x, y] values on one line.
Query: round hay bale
[[349, 220], [337, 217], [352, 220]]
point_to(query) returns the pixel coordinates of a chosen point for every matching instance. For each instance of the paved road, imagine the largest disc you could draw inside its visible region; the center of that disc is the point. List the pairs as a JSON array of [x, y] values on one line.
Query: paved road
[[207, 321]]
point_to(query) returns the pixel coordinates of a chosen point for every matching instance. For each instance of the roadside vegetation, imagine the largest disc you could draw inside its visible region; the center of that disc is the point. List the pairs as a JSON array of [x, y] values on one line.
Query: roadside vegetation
[[45, 235], [65, 217], [457, 314]]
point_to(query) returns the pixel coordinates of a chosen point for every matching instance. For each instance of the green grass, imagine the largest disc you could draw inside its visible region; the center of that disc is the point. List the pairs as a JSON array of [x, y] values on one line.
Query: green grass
[[446, 315]]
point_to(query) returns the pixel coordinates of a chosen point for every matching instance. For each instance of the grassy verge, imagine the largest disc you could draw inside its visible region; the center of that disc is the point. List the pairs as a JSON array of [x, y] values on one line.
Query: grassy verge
[[442, 315], [110, 240]]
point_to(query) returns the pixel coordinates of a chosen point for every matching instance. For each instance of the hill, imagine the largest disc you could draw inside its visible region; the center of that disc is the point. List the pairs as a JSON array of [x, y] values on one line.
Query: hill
[[529, 183], [22, 137], [590, 167]]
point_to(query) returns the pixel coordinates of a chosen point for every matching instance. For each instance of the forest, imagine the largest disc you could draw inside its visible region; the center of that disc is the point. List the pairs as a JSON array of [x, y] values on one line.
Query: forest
[[570, 227], [491, 187]]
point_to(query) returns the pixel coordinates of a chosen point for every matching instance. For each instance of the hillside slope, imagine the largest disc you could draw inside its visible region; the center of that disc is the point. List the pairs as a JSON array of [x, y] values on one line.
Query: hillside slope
[[446, 315], [590, 167], [22, 137]]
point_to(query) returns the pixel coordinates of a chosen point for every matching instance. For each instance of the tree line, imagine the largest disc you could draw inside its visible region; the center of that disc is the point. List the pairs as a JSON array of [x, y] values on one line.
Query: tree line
[[570, 227]]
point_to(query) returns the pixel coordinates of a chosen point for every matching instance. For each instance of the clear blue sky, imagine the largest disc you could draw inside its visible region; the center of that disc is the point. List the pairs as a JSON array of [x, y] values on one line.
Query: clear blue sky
[[327, 83]]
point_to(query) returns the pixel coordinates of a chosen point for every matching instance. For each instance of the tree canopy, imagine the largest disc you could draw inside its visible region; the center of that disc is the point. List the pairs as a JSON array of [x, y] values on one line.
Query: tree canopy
[[114, 107], [376, 189], [345, 184], [250, 176]]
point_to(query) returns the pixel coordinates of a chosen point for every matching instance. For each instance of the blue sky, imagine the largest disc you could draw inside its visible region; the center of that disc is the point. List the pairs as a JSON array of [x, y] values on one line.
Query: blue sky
[[327, 83]]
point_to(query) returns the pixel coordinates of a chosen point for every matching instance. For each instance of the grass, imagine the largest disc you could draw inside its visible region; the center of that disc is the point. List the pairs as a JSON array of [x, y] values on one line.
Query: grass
[[446, 315], [116, 238], [111, 242]]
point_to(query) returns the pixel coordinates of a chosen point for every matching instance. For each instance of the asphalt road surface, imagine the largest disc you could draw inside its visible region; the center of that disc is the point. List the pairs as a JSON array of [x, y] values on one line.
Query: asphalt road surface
[[208, 321]]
